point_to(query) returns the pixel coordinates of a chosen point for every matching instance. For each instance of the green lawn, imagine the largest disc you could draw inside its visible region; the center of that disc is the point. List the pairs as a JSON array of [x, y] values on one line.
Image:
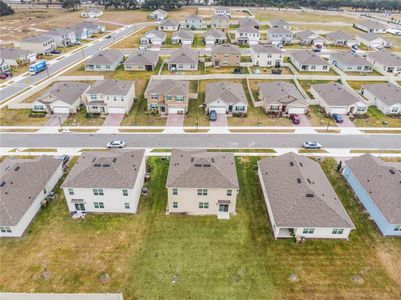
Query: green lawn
[[82, 119], [375, 118], [196, 113], [207, 258], [317, 118], [21, 117]]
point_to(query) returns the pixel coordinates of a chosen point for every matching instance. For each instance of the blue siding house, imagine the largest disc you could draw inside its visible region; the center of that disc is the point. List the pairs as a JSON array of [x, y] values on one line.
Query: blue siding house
[[377, 184]]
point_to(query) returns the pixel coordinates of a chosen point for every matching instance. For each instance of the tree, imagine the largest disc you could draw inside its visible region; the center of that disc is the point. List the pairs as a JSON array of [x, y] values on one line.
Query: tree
[[5, 10], [70, 4]]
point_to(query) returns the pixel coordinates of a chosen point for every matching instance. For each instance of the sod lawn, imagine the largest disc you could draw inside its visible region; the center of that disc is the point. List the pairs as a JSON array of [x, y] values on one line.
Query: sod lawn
[[152, 255]]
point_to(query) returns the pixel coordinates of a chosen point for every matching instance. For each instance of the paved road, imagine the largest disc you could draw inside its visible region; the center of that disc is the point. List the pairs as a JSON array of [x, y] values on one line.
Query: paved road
[[367, 141], [20, 85]]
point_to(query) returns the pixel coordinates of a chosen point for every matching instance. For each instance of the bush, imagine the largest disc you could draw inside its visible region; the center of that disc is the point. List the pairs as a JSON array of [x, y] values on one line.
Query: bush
[[5, 10]]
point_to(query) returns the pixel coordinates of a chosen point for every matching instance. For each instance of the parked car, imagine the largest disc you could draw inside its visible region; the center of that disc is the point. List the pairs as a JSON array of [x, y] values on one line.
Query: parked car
[[108, 36], [55, 52], [311, 145], [237, 70], [317, 50], [212, 115], [77, 43], [338, 118], [276, 71], [116, 144], [5, 75], [295, 119], [64, 159]]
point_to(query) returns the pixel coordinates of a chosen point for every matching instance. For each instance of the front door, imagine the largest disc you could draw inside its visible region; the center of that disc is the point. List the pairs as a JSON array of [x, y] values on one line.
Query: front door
[[223, 207], [79, 206]]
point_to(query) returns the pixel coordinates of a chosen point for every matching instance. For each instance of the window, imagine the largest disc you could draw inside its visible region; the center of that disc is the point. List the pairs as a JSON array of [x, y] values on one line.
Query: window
[[325, 67], [107, 66], [71, 192], [98, 192], [127, 205], [154, 96], [337, 231], [5, 229], [44, 190], [360, 109], [202, 192], [394, 109], [98, 204], [93, 97], [308, 230], [397, 228], [175, 192], [168, 97], [125, 192], [229, 192], [204, 205], [175, 204], [179, 98]]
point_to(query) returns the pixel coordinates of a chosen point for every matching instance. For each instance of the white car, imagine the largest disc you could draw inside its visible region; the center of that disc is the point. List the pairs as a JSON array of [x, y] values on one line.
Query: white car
[[116, 144], [311, 145]]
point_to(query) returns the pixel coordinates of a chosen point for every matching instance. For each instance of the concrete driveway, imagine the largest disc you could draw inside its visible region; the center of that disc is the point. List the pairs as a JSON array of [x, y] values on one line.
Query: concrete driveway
[[303, 121], [220, 122], [346, 123], [55, 119], [175, 120], [113, 120]]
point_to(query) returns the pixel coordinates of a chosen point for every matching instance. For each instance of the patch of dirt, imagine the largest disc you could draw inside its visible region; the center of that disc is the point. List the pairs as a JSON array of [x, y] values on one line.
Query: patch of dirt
[[357, 278], [293, 277], [46, 274], [104, 278], [390, 259]]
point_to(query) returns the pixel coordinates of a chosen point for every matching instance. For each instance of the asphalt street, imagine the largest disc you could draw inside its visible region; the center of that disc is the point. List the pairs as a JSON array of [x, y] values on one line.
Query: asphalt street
[[20, 85], [145, 140]]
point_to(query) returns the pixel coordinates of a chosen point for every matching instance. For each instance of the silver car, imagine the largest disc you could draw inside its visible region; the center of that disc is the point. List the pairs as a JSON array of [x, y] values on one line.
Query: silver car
[[116, 144]]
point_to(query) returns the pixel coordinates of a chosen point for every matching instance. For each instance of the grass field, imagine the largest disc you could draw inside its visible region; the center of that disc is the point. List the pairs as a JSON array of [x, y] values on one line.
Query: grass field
[[196, 113], [21, 117], [300, 16], [375, 118], [139, 255]]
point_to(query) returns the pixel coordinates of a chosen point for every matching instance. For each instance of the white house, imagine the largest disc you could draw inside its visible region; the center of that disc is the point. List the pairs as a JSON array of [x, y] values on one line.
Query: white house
[[220, 22], [105, 60], [307, 61], [106, 181], [182, 37], [385, 96], [215, 36], [335, 98], [111, 96], [279, 23], [373, 40], [183, 59], [279, 36], [300, 200], [308, 37], [222, 11], [169, 25], [153, 37], [202, 183], [370, 26], [341, 38], [39, 44], [226, 97], [14, 56], [158, 14], [350, 62], [247, 36], [385, 61], [24, 184], [92, 12], [266, 55], [63, 97], [63, 37]]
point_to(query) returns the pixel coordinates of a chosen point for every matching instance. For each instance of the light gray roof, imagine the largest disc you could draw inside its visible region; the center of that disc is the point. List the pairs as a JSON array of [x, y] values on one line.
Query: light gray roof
[[215, 34], [220, 18], [279, 23], [266, 48], [59, 31], [183, 34], [91, 24], [168, 87], [226, 48], [169, 23], [66, 91], [37, 39], [21, 181], [223, 8], [279, 30], [248, 22], [308, 58], [335, 94], [247, 29], [226, 91], [382, 182], [350, 59], [305, 35], [13, 53], [371, 24], [201, 169], [158, 33], [111, 87], [93, 9], [281, 92], [143, 57], [194, 18], [160, 11], [114, 169], [371, 37], [105, 57], [339, 35], [54, 296], [386, 58], [183, 56], [299, 193], [388, 93]]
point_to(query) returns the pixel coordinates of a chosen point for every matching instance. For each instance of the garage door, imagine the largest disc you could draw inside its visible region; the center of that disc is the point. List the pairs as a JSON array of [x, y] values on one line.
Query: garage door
[[116, 110], [218, 109], [296, 110], [339, 110], [176, 110], [61, 109]]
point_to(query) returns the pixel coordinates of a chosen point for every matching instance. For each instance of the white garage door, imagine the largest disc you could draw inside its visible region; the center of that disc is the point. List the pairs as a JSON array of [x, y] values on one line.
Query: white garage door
[[339, 110], [218, 109], [61, 109], [296, 110], [176, 110], [116, 110]]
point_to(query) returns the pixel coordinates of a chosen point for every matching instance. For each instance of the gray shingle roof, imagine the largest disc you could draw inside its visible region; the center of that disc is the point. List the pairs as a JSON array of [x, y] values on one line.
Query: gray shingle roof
[[266, 48], [229, 92], [220, 18], [201, 169], [111, 87], [308, 58], [281, 92], [66, 91], [371, 37], [183, 56], [350, 59], [306, 35], [143, 57], [158, 33], [184, 35], [105, 57], [386, 58], [290, 180], [388, 93], [106, 169], [279, 23], [36, 39], [371, 24], [226, 48], [194, 18], [339, 35], [279, 30], [24, 180], [247, 29], [215, 34], [13, 53], [168, 87], [56, 32], [169, 23], [383, 187], [248, 22], [335, 94]]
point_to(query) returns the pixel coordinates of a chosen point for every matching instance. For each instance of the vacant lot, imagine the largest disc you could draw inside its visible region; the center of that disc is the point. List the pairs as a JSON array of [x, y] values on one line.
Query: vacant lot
[[300, 16], [140, 255], [21, 117], [375, 118], [132, 41]]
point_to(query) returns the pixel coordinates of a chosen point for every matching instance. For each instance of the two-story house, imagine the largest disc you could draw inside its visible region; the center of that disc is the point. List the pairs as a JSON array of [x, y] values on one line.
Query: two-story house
[[62, 36], [266, 56], [226, 55], [247, 36], [195, 23], [39, 44], [220, 22], [279, 36]]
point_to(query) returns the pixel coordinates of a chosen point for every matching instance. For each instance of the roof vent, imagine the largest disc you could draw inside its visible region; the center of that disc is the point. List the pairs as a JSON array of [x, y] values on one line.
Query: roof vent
[[114, 160], [309, 195], [392, 171], [299, 180], [97, 165], [16, 169], [198, 165], [106, 165], [207, 165], [301, 164], [2, 183], [291, 164]]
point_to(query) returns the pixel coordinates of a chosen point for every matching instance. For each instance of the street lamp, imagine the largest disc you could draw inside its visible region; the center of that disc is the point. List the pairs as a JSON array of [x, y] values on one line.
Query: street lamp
[[328, 123], [61, 125]]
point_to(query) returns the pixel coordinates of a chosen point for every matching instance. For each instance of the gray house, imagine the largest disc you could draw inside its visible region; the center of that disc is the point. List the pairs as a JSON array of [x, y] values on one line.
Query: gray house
[[182, 37], [220, 22], [370, 26], [279, 23], [14, 56], [195, 23], [39, 44], [183, 59], [341, 38], [106, 60], [279, 35], [385, 96], [226, 97], [308, 61], [169, 25], [62, 36], [215, 36], [142, 60], [350, 62], [385, 61], [308, 37], [249, 22]]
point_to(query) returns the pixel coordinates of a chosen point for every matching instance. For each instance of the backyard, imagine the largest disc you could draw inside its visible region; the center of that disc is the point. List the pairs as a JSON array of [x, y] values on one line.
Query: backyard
[[152, 255]]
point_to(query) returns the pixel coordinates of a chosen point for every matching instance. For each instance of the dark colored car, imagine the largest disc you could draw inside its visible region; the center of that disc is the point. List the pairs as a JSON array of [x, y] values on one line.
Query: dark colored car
[[5, 75], [212, 115], [237, 70], [276, 71], [317, 50], [55, 52], [338, 118], [108, 37], [64, 159], [295, 119]]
